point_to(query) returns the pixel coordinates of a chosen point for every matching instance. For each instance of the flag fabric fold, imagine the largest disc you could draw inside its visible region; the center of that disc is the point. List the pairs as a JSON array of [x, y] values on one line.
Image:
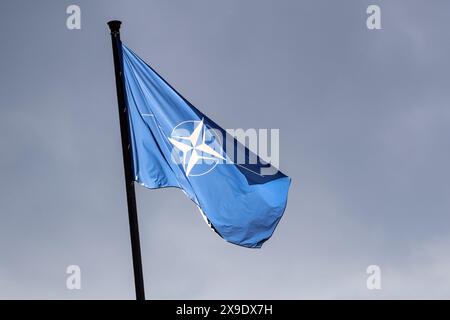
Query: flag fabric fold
[[175, 145]]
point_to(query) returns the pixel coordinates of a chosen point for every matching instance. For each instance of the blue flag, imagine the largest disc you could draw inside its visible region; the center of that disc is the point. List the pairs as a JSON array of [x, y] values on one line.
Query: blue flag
[[176, 145]]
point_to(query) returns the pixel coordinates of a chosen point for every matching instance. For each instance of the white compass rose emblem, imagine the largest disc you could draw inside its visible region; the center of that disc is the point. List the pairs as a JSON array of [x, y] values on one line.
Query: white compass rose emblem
[[199, 146]]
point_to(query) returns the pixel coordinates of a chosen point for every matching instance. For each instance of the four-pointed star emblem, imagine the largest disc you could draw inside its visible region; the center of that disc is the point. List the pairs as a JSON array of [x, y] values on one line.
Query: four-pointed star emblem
[[194, 148]]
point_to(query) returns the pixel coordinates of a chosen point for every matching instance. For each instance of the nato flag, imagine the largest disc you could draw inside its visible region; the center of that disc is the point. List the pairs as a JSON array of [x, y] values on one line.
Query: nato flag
[[176, 145]]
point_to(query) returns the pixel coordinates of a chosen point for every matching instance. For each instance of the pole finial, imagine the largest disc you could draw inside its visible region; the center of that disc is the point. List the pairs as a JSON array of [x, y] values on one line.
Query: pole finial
[[114, 25]]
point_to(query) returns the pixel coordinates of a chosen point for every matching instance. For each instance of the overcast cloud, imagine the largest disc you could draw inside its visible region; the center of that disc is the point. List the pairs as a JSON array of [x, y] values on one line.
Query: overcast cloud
[[364, 126]]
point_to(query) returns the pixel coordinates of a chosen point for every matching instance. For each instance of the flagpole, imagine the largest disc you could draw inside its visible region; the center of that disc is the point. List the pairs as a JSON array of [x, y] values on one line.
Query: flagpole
[[114, 26]]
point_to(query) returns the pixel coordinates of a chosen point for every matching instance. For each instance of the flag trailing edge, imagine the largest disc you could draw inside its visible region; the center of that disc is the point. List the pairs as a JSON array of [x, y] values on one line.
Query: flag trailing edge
[[240, 204]]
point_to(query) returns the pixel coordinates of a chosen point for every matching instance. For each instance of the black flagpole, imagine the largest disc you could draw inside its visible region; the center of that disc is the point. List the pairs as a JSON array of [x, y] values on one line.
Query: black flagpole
[[127, 160]]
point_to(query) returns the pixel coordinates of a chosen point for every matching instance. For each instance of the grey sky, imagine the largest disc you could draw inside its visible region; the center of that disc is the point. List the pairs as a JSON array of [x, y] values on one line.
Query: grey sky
[[363, 118]]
